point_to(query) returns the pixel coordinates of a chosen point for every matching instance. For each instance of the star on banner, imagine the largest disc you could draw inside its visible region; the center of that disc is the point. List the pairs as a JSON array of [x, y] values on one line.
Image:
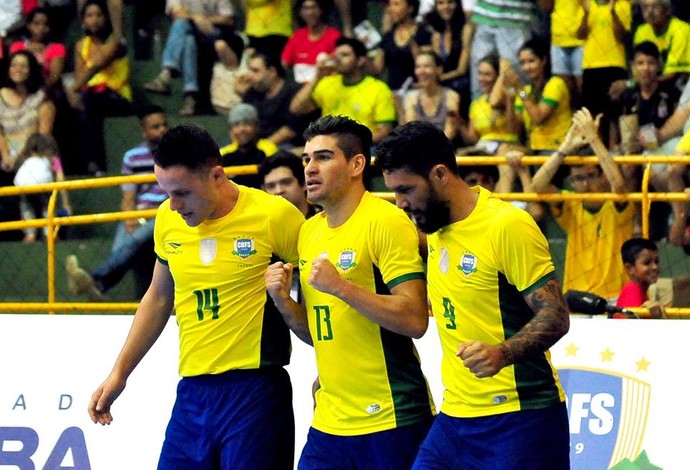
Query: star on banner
[[642, 365], [607, 355], [571, 350]]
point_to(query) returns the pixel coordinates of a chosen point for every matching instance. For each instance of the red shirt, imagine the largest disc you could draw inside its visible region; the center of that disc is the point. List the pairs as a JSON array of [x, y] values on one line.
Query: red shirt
[[631, 295]]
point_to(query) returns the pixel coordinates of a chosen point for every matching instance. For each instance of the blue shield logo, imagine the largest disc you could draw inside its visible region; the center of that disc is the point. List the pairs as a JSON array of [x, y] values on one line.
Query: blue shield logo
[[244, 248], [607, 414], [346, 260], [468, 264]]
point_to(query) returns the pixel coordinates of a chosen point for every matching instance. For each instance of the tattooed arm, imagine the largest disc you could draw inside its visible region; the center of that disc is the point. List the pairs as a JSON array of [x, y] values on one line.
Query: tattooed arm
[[550, 323]]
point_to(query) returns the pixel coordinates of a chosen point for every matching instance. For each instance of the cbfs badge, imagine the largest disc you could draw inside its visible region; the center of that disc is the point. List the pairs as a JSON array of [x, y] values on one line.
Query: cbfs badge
[[468, 264], [244, 248], [346, 260], [607, 416]]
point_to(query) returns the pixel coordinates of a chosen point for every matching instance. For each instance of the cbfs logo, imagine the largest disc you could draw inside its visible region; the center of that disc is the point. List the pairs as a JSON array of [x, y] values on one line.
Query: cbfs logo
[[607, 414], [244, 248], [347, 260]]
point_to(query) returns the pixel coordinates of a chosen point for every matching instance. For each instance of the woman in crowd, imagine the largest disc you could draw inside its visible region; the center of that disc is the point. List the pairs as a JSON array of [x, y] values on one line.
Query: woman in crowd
[[489, 126], [24, 107], [543, 105], [401, 44], [430, 101], [491, 129], [450, 39], [101, 83], [311, 43], [51, 55]]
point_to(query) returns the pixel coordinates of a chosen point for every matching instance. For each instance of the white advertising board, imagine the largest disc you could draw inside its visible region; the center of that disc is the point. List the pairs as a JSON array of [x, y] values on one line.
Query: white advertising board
[[625, 381]]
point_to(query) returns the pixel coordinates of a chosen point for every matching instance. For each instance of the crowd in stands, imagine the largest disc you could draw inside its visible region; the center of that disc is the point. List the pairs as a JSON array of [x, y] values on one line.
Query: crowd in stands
[[500, 78]]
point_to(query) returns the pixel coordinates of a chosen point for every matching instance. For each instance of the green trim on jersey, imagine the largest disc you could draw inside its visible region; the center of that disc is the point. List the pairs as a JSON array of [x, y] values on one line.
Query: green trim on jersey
[[404, 278], [533, 390], [409, 389], [539, 283]]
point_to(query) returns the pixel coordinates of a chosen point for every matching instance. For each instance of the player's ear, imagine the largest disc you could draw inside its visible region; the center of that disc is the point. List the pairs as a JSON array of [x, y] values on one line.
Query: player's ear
[[359, 162], [438, 173]]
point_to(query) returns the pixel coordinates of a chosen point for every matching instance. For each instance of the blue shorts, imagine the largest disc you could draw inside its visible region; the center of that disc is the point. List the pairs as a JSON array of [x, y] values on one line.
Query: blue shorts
[[394, 449], [528, 440], [237, 419], [566, 61]]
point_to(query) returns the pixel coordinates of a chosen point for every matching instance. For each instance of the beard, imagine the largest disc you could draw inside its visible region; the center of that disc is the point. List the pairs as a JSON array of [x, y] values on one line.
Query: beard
[[434, 216]]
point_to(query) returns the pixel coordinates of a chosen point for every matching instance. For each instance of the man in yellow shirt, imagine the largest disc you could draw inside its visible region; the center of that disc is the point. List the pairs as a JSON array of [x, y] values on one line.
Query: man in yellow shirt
[[364, 299], [349, 92], [213, 242], [595, 229], [498, 308]]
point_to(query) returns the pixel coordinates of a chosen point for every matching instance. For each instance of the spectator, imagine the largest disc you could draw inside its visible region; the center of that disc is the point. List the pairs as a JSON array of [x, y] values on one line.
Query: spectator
[[543, 106], [430, 101], [267, 87], [101, 83], [501, 28], [225, 72], [349, 92], [246, 147], [641, 260], [195, 25], [24, 107], [672, 38], [566, 47], [489, 126], [283, 175], [313, 42], [595, 230], [401, 45], [50, 55], [133, 237], [647, 105], [114, 10], [39, 163], [604, 27], [268, 25], [451, 38]]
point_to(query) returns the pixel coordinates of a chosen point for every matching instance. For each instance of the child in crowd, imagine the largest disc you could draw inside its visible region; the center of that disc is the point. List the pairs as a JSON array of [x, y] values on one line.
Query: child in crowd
[[641, 262], [38, 163]]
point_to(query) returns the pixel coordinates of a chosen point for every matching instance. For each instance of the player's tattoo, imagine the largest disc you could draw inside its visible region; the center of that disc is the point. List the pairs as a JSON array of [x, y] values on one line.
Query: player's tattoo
[[551, 321]]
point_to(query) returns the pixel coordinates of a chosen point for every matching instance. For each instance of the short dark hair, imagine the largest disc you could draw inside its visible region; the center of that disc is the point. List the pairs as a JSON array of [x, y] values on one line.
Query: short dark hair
[[647, 48], [416, 146], [283, 158], [187, 145], [632, 248], [270, 60], [351, 136], [34, 81], [357, 46], [147, 110]]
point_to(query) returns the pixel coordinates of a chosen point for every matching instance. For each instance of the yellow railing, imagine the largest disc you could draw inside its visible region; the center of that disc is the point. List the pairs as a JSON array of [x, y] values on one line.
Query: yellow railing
[[53, 223]]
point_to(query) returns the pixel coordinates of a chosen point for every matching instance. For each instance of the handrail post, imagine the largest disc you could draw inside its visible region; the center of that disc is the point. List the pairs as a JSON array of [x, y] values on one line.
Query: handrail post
[[51, 235], [646, 203]]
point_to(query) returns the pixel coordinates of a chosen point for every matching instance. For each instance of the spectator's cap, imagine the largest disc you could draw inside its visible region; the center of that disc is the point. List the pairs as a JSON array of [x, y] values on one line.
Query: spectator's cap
[[242, 112]]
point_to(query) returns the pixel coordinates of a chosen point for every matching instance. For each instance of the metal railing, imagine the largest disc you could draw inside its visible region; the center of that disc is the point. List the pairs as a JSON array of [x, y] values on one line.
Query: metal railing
[[53, 223]]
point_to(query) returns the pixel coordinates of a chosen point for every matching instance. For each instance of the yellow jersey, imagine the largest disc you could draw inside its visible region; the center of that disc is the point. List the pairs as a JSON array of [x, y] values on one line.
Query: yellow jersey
[[220, 292], [478, 271], [371, 379]]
